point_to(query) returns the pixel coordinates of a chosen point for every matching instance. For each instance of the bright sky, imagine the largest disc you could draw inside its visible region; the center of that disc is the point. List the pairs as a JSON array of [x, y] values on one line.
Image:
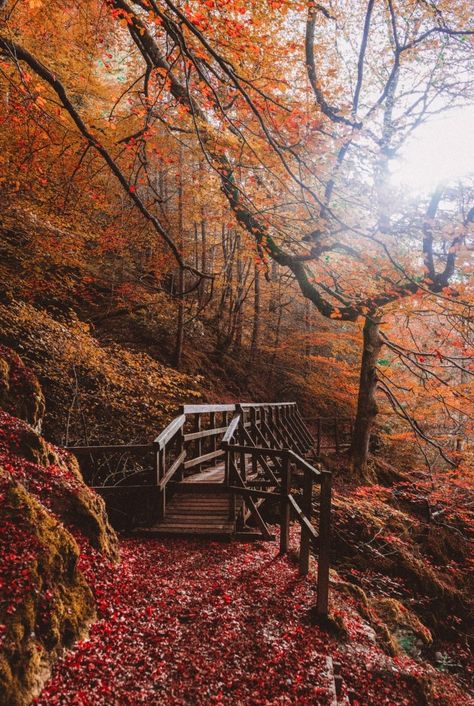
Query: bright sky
[[441, 150]]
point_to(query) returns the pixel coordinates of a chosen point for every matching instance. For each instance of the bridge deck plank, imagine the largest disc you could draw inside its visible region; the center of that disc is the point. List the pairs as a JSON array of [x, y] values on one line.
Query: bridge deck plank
[[210, 475]]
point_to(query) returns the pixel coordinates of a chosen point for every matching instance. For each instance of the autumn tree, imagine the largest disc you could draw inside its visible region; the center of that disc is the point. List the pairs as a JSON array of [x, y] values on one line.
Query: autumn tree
[[301, 147]]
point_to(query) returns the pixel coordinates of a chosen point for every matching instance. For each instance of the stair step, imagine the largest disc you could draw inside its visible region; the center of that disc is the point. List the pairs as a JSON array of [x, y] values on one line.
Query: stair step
[[198, 510], [222, 513], [211, 529], [195, 506], [204, 522], [199, 507], [197, 503], [199, 520]]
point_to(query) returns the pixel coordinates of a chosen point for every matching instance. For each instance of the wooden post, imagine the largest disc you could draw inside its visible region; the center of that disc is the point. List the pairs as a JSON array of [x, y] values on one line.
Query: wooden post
[[230, 459], [158, 476], [282, 426], [319, 437], [253, 420], [180, 449], [267, 424], [212, 422], [227, 467], [197, 427], [294, 440], [271, 421], [285, 505], [156, 463], [284, 423], [277, 417], [241, 436], [324, 545], [306, 506], [298, 430], [304, 430], [162, 493], [225, 419]]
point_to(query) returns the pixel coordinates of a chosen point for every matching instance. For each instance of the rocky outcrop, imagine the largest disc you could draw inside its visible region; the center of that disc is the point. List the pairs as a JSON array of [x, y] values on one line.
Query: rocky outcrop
[[52, 475], [20, 391], [45, 602], [49, 522]]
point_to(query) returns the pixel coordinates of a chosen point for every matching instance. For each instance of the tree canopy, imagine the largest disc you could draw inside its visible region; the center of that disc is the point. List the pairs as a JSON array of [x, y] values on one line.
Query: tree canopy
[[278, 119]]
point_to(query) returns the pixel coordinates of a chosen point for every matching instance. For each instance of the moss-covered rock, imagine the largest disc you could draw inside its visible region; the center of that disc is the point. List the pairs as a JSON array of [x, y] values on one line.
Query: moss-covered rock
[[394, 554], [52, 475], [45, 602], [49, 520], [20, 391], [407, 631]]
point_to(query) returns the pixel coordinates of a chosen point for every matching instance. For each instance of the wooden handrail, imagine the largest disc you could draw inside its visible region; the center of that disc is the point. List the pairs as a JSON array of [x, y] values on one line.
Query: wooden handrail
[[251, 504], [320, 541], [168, 433], [303, 520], [253, 492], [258, 450], [267, 404], [109, 449], [275, 453], [303, 464], [172, 470], [203, 458], [206, 408], [204, 433], [230, 430]]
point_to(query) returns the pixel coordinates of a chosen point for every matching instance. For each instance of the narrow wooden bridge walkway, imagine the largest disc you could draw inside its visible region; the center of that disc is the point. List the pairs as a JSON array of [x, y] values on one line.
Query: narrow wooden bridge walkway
[[212, 469]]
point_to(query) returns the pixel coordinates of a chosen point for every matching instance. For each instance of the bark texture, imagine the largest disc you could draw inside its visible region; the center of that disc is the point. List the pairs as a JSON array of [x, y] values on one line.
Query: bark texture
[[366, 403]]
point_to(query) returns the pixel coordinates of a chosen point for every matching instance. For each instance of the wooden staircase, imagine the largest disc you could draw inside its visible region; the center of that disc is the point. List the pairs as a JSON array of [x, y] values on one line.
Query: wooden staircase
[[206, 514], [213, 467]]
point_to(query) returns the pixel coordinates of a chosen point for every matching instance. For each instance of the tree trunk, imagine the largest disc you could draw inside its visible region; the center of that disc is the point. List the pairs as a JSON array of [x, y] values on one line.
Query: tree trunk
[[237, 321], [308, 348], [203, 264], [179, 341], [256, 315], [366, 404], [274, 305]]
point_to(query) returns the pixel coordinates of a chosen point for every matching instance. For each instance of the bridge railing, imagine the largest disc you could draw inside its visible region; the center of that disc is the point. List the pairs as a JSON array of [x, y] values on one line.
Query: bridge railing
[[257, 472], [253, 441], [193, 440], [114, 465], [331, 433], [189, 444]]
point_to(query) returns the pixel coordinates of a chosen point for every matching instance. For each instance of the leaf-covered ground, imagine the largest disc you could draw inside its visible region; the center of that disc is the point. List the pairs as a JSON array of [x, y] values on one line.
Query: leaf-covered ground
[[187, 621]]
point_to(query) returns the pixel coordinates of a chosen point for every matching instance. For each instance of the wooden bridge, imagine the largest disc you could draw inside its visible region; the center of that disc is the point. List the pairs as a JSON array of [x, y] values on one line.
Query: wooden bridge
[[210, 471]]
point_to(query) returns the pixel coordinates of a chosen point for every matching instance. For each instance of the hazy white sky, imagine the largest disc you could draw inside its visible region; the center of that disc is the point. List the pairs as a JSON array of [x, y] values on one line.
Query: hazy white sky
[[441, 150]]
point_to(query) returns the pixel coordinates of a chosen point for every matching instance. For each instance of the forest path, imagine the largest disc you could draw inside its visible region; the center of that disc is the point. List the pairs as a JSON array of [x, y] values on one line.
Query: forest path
[[187, 621]]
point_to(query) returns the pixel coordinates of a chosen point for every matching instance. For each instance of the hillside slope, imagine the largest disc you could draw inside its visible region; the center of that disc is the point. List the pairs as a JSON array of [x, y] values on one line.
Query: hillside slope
[[101, 342]]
